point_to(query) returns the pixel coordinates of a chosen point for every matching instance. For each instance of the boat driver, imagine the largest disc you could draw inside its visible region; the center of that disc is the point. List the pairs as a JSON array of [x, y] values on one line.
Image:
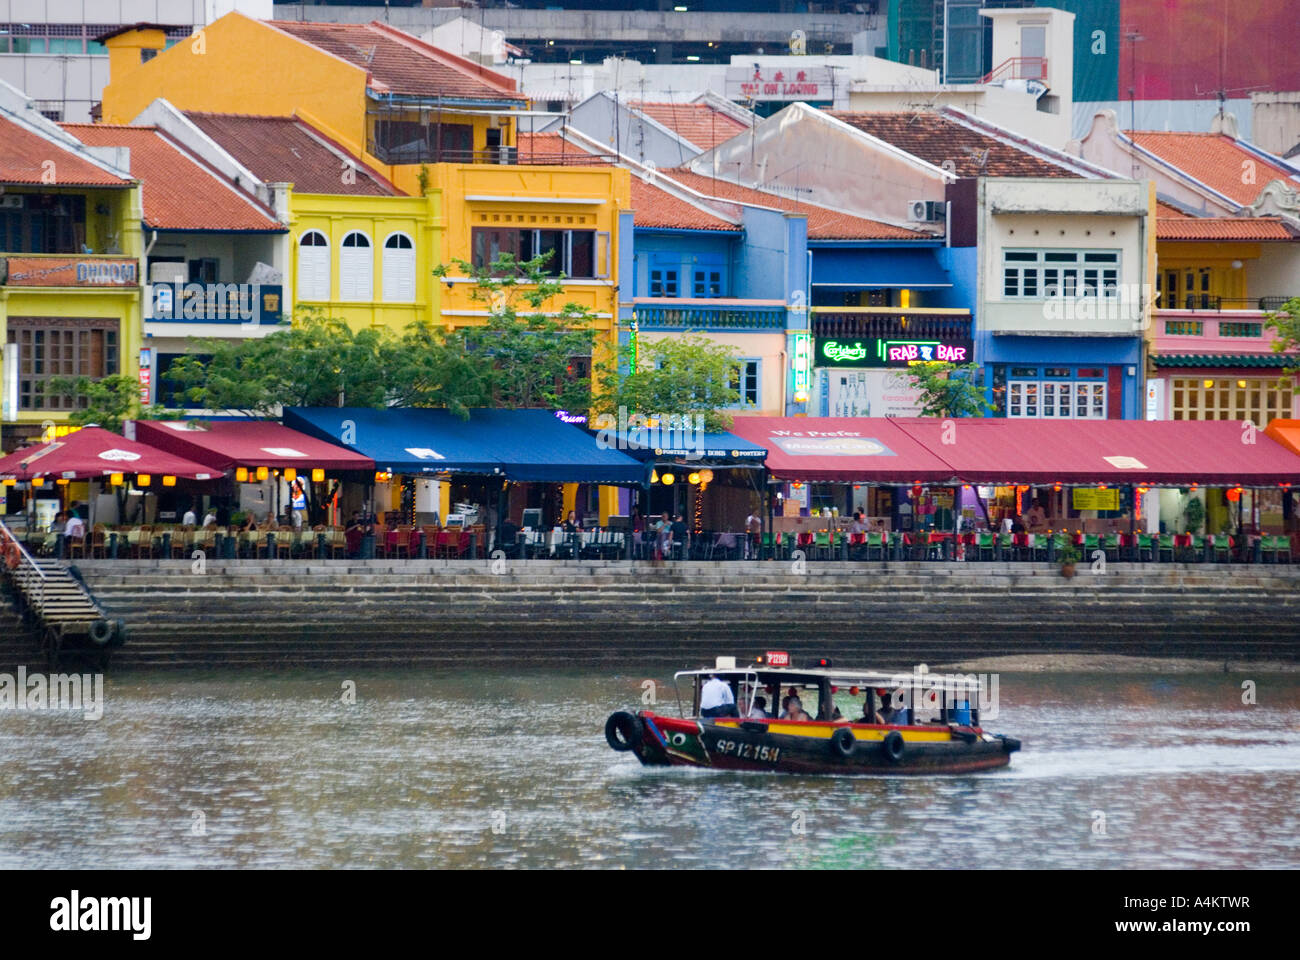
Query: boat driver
[[888, 712], [716, 698]]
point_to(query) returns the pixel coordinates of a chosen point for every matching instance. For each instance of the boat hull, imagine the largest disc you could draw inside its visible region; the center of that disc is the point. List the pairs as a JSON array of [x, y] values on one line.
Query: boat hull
[[811, 748]]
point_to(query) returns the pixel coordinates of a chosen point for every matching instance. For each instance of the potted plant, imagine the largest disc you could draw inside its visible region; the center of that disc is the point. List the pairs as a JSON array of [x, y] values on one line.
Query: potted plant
[[1067, 557]]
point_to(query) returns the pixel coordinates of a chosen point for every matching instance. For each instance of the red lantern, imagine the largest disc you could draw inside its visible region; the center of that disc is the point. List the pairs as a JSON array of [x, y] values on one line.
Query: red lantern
[[853, 691], [1232, 495]]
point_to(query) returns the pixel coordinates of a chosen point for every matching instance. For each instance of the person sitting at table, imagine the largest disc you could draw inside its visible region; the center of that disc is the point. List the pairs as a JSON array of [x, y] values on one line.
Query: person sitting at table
[[1036, 517], [859, 524]]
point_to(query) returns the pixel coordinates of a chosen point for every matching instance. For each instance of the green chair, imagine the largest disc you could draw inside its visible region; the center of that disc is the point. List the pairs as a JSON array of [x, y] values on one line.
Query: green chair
[[1221, 549], [1006, 546], [1146, 548], [983, 545], [1110, 544], [876, 542], [821, 546], [1091, 544], [1165, 544], [1282, 545], [787, 546]]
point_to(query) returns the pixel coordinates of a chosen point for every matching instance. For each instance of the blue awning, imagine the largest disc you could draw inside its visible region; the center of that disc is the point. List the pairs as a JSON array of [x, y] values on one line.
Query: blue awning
[[519, 445], [861, 268], [652, 443]]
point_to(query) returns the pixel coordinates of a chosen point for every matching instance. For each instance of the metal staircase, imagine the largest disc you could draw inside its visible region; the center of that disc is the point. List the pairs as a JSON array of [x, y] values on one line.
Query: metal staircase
[[58, 605]]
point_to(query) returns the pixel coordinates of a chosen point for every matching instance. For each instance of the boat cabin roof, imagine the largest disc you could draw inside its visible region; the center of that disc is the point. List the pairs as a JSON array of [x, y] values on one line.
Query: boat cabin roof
[[839, 676]]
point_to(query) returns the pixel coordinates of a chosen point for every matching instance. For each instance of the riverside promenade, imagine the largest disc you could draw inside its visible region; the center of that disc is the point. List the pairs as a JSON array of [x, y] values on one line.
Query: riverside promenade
[[447, 613]]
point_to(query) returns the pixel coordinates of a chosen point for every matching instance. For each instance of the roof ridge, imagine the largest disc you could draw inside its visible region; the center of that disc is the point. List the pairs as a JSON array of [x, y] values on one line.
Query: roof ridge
[[453, 60]]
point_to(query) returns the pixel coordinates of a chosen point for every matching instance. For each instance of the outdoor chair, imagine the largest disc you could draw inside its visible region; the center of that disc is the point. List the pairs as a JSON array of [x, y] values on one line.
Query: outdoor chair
[[1281, 547], [99, 541], [1006, 546], [1145, 547], [402, 542], [75, 546], [1221, 548], [1110, 545], [821, 546], [984, 545], [1165, 544]]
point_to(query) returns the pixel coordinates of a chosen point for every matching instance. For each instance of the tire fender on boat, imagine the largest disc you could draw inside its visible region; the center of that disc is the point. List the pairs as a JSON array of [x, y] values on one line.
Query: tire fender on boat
[[623, 730], [101, 631], [843, 742], [893, 746]]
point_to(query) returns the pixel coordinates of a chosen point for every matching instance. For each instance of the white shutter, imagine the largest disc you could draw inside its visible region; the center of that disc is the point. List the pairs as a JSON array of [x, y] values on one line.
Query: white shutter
[[356, 268], [399, 269], [313, 267]]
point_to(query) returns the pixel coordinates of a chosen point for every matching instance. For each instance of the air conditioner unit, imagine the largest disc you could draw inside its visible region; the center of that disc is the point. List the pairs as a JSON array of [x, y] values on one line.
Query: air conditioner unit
[[11, 201], [926, 211]]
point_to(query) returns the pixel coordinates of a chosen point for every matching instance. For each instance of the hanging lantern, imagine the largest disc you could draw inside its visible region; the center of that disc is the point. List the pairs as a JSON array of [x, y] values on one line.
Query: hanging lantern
[[1056, 487], [241, 474], [290, 474], [262, 473], [694, 478], [654, 476], [143, 479], [318, 475], [667, 479], [853, 691], [10, 481], [62, 481], [116, 479], [706, 476], [169, 481], [1232, 495]]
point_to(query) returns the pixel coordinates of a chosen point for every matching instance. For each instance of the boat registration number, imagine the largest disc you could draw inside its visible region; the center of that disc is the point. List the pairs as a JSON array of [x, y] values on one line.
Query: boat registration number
[[747, 751]]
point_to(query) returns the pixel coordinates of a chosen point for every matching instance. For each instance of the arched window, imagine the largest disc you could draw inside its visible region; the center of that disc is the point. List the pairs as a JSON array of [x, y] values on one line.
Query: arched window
[[313, 266], [399, 268], [356, 268]]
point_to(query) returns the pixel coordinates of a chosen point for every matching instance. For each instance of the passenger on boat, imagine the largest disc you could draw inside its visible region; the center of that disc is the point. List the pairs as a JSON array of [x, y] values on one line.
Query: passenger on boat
[[716, 699], [794, 710], [888, 713], [759, 710]]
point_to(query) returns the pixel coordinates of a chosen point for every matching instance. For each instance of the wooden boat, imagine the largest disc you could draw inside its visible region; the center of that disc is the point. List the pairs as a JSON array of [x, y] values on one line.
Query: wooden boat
[[930, 724]]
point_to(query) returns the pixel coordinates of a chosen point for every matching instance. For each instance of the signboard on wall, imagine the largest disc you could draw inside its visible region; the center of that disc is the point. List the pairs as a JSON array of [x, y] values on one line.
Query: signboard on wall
[[868, 393], [1087, 498], [71, 272], [779, 83], [875, 352]]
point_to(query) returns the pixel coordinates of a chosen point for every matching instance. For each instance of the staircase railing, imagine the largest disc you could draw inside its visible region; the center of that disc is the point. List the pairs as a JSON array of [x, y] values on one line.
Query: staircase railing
[[23, 568], [1018, 68]]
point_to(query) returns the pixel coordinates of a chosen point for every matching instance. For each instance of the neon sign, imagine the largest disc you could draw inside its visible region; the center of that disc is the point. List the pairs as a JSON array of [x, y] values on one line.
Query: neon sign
[[800, 363], [877, 352]]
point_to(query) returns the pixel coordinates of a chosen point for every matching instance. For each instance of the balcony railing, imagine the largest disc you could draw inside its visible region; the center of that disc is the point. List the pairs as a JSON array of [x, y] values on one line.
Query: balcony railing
[[1205, 301], [1018, 68], [255, 304], [420, 152], [894, 324], [708, 315]]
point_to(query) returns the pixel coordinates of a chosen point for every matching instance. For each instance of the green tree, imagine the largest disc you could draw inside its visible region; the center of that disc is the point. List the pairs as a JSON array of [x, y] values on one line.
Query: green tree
[[531, 355], [678, 376], [109, 401], [1286, 324], [948, 389]]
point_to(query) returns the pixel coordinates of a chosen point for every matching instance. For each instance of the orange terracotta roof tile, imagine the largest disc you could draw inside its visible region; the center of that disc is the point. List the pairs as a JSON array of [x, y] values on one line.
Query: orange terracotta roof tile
[[935, 139], [699, 123], [555, 150], [1222, 228], [402, 64], [656, 207], [25, 157], [1166, 210], [1216, 160], [177, 190], [289, 150], [823, 223]]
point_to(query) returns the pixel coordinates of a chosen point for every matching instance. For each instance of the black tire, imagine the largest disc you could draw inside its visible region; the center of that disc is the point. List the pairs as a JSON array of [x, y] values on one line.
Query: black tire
[[893, 746], [101, 631], [623, 731], [843, 742], [120, 633]]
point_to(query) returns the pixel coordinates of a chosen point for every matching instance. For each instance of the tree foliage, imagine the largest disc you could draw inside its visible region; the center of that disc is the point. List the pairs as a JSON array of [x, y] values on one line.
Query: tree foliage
[[110, 401], [1286, 324], [948, 389], [682, 376]]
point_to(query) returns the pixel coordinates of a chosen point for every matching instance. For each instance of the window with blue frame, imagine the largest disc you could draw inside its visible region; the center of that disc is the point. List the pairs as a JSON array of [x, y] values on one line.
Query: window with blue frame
[[747, 383], [708, 277], [665, 274], [1058, 392]]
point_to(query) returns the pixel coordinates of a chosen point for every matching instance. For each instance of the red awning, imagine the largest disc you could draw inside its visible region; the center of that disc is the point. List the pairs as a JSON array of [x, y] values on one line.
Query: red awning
[[1155, 452], [844, 449], [227, 444], [92, 453]]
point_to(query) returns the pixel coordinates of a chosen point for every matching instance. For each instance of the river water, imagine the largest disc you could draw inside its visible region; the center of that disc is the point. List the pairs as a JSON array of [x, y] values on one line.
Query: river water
[[501, 768]]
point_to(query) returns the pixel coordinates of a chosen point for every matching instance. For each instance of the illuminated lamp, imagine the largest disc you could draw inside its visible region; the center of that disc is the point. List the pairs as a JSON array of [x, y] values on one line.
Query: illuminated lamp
[[318, 475], [706, 476], [116, 479], [1208, 384], [853, 691], [1056, 487], [654, 476], [1194, 486], [667, 479], [10, 481], [290, 474], [143, 479], [169, 481], [262, 472], [38, 481], [1101, 486], [1232, 495], [797, 485], [62, 481], [693, 478], [1143, 489], [1241, 384], [241, 474]]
